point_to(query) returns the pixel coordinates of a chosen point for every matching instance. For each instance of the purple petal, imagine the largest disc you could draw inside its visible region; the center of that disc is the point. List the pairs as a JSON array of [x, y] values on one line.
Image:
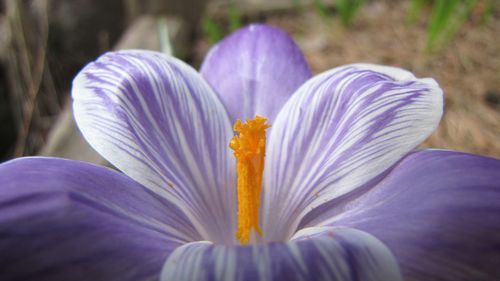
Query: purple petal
[[158, 121], [439, 212], [340, 131], [255, 70], [68, 220], [332, 254]]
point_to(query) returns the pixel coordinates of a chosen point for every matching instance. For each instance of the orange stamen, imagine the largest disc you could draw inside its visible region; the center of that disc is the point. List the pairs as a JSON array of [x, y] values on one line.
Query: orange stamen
[[249, 149]]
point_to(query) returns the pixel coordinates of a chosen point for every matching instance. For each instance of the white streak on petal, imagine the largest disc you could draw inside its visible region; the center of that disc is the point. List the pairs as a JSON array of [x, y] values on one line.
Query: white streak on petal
[[340, 130], [325, 254], [155, 118]]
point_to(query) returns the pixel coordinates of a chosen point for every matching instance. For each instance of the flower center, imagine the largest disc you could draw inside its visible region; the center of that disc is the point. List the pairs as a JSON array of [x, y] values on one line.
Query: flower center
[[249, 149]]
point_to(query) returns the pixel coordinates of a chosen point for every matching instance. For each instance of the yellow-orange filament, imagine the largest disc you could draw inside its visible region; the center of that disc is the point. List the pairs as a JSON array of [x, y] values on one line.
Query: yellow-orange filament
[[249, 149]]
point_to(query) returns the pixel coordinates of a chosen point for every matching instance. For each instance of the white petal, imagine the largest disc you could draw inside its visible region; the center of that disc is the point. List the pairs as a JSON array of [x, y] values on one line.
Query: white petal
[[341, 130], [332, 254], [158, 121]]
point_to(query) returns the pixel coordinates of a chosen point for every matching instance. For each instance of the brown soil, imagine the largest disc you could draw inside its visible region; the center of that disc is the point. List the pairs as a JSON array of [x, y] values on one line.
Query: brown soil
[[468, 69]]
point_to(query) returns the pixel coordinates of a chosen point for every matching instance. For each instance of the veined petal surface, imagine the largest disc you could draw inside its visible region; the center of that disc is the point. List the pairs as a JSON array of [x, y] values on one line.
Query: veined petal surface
[[332, 254], [255, 71], [157, 120], [66, 220], [340, 131], [438, 212]]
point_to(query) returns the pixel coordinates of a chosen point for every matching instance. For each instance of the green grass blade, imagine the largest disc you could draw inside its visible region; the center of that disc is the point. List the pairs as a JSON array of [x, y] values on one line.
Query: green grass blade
[[458, 20], [416, 7], [442, 12], [446, 19], [347, 10], [488, 12], [321, 8], [234, 15], [212, 30]]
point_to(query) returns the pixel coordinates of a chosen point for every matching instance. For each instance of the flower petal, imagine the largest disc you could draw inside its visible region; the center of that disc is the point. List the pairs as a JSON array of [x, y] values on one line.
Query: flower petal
[[439, 213], [333, 254], [255, 70], [68, 220], [158, 121], [340, 130]]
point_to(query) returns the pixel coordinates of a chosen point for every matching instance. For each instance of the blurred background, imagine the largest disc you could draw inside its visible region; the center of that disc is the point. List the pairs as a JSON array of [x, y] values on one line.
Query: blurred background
[[44, 43]]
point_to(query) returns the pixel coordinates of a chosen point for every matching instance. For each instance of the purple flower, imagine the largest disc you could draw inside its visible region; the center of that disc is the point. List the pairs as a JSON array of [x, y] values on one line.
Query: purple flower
[[343, 195]]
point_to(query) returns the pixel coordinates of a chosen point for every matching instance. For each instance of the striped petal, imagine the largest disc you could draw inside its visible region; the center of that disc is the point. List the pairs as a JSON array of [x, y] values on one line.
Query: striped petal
[[341, 130], [158, 121], [66, 220], [438, 212], [332, 254], [255, 71]]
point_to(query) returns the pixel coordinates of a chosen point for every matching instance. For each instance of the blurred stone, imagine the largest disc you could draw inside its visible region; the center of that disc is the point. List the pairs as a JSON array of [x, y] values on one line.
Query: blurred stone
[[189, 11], [162, 33]]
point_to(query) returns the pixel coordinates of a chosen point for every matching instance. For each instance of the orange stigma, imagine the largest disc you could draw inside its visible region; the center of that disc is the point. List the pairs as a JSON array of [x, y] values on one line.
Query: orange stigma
[[249, 149]]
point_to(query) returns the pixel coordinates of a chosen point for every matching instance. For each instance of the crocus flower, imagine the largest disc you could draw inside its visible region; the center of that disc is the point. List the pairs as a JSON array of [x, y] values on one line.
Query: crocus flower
[[325, 184]]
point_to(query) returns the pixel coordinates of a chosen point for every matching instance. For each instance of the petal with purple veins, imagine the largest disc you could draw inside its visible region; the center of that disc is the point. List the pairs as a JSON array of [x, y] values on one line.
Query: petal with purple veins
[[255, 71], [157, 120], [438, 212], [321, 254], [68, 220], [341, 130]]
